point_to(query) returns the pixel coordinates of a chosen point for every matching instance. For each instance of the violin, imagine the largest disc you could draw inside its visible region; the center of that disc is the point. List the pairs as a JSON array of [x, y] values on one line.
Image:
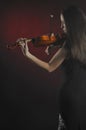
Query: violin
[[44, 40]]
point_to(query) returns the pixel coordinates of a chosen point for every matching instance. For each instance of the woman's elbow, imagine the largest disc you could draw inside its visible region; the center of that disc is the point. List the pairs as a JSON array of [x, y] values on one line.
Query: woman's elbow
[[51, 69]]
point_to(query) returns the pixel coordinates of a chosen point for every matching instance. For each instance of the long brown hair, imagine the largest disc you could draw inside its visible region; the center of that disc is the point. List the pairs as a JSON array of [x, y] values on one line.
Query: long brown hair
[[75, 20]]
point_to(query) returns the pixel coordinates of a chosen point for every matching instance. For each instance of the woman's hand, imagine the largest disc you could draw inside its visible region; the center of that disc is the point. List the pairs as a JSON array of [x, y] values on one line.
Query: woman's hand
[[22, 42]]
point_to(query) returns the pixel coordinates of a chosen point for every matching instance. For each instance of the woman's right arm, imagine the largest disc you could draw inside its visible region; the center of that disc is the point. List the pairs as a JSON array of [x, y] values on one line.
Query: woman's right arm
[[52, 65]]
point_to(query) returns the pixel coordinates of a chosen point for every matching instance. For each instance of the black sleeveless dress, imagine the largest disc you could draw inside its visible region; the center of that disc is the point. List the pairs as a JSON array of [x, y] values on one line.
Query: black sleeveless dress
[[72, 100]]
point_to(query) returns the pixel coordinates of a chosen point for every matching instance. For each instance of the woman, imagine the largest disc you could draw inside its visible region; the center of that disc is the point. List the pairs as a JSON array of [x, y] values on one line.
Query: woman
[[72, 101]]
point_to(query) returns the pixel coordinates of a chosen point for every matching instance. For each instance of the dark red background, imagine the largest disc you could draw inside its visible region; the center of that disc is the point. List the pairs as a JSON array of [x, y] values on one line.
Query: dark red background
[[29, 94]]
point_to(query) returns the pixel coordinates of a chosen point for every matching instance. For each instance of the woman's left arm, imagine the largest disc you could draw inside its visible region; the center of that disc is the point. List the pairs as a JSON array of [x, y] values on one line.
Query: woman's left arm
[[52, 65]]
